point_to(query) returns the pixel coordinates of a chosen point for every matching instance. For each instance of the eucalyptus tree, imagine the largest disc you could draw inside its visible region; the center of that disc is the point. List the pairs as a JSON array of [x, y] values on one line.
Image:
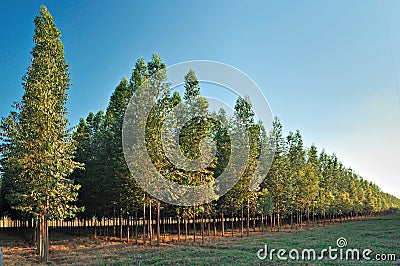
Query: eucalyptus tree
[[296, 162], [276, 180], [195, 140], [245, 115], [43, 149], [156, 77]]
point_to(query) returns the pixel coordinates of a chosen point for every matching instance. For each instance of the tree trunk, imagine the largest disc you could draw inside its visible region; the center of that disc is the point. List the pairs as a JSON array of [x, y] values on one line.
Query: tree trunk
[[313, 218], [164, 223], [262, 224], [40, 236], [179, 228], [150, 225], [128, 224], [202, 228], [158, 223], [208, 226], [214, 226], [194, 227], [271, 218], [291, 219], [35, 234], [222, 224], [144, 222], [186, 229], [43, 243], [301, 219], [94, 223], [46, 241], [279, 221], [242, 222], [114, 227], [107, 225], [120, 225], [232, 223], [136, 227], [248, 219]]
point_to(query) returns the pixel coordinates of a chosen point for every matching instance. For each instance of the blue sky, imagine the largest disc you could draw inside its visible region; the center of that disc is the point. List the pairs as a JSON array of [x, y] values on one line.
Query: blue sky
[[324, 66]]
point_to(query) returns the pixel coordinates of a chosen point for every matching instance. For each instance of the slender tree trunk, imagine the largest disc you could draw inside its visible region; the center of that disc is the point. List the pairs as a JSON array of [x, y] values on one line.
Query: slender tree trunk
[[222, 224], [202, 228], [108, 226], [164, 224], [242, 222], [313, 218], [179, 228], [271, 217], [144, 222], [120, 225], [194, 227], [248, 219], [46, 240], [208, 226], [136, 227], [128, 224], [279, 221], [301, 219], [186, 229], [114, 227], [41, 237], [262, 224], [214, 226], [232, 223], [291, 219], [158, 223], [35, 234], [150, 225]]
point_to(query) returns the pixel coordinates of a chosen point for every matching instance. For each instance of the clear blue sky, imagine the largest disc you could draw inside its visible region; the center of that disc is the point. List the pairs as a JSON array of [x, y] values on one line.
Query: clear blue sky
[[324, 66]]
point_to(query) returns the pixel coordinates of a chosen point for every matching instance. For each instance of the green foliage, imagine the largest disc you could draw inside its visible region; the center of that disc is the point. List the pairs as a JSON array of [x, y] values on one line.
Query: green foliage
[[38, 152], [37, 148], [265, 203], [192, 88]]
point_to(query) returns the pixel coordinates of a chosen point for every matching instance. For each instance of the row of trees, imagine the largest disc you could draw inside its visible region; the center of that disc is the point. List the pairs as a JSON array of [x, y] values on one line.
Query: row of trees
[[302, 184], [43, 164]]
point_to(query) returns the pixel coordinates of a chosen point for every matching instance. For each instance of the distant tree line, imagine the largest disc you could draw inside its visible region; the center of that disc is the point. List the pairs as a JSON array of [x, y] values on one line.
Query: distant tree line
[[44, 166]]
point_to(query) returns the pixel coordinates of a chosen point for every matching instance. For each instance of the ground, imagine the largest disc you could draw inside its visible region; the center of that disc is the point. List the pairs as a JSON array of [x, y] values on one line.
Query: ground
[[380, 234]]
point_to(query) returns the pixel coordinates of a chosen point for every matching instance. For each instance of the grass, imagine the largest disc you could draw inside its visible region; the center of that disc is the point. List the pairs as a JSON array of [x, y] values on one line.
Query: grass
[[380, 234]]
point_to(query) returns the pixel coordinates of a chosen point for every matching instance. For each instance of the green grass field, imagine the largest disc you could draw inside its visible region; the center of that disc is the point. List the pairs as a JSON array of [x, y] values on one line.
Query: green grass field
[[380, 234]]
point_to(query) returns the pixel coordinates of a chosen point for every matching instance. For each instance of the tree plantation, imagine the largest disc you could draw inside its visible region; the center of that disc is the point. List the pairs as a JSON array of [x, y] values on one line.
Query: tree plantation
[[54, 178]]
